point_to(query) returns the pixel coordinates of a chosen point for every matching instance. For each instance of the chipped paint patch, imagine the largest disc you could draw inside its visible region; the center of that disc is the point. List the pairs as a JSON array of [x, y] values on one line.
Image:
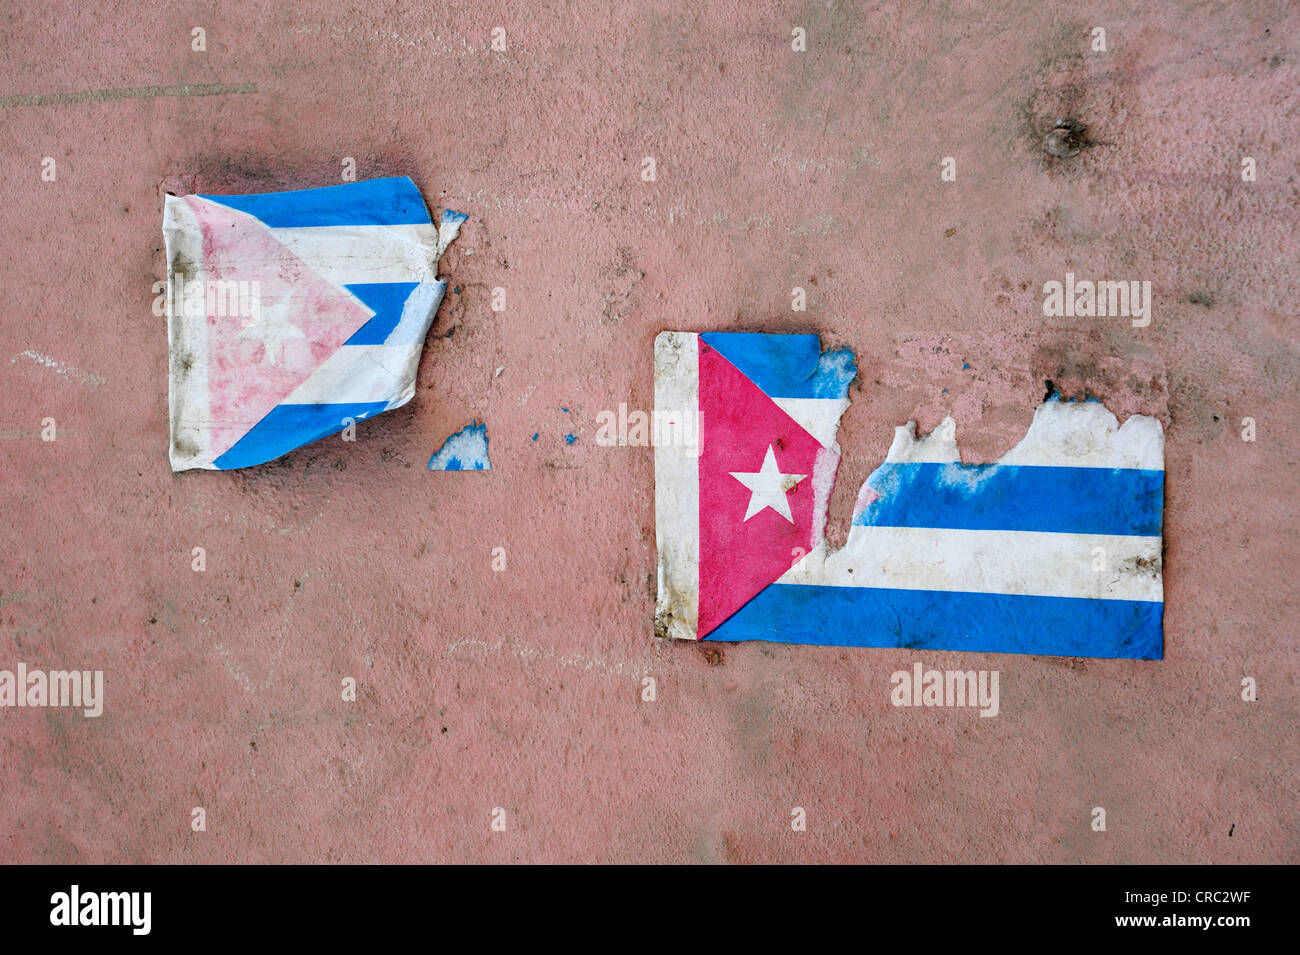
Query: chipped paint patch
[[466, 450], [67, 371]]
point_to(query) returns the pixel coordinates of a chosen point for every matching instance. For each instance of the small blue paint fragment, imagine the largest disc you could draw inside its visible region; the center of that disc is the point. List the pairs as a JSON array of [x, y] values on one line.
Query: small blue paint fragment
[[456, 289], [965, 365], [565, 410], [466, 450], [451, 215], [536, 435], [570, 438]]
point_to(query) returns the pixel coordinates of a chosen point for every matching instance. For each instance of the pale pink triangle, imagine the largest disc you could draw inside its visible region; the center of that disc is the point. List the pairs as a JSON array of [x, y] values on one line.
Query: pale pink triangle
[[246, 377]]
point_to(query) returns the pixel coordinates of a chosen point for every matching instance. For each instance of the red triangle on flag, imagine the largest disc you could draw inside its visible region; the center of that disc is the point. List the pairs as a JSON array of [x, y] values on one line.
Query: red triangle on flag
[[739, 423], [302, 320]]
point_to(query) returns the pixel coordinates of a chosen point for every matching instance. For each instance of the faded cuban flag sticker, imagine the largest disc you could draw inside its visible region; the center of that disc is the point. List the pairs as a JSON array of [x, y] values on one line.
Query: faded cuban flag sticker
[[293, 315]]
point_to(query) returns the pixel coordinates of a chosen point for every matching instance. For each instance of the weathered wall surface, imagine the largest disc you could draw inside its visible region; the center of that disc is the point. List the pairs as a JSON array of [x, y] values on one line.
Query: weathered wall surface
[[520, 688]]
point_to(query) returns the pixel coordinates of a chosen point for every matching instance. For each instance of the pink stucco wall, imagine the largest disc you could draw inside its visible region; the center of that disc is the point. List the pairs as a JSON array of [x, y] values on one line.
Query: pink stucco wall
[[520, 689]]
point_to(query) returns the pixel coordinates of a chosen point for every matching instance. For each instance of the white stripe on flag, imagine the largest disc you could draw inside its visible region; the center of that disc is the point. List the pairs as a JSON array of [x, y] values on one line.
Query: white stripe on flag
[[362, 373], [1028, 563], [366, 254]]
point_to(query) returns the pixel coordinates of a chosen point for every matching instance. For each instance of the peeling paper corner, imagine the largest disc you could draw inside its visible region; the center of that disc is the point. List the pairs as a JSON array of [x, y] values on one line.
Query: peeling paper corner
[[1053, 549], [294, 315]]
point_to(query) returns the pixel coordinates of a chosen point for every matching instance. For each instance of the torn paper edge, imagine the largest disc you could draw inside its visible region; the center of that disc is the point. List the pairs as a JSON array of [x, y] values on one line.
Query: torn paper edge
[[1064, 434]]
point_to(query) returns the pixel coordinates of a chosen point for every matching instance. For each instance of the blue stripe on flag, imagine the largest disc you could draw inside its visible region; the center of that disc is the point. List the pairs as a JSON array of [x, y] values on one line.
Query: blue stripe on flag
[[393, 201], [786, 366], [945, 620], [1120, 501], [386, 300], [287, 427]]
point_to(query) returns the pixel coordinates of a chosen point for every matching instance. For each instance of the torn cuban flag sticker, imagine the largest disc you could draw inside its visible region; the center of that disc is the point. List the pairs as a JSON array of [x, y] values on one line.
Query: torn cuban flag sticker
[[1054, 549], [292, 315]]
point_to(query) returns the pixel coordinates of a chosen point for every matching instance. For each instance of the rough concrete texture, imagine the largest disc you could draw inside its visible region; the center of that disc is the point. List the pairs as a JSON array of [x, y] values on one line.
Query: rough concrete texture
[[520, 688]]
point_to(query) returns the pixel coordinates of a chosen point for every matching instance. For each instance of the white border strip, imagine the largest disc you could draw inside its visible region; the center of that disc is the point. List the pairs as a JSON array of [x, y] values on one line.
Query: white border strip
[[677, 489], [187, 340]]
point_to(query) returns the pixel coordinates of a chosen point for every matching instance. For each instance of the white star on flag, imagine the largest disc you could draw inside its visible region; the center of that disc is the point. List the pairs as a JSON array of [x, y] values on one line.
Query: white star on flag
[[273, 329], [768, 487]]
